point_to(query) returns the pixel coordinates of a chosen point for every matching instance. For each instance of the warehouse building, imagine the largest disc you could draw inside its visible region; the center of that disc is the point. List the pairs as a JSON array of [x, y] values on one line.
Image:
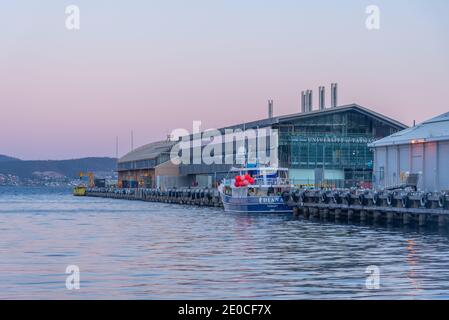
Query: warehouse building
[[422, 150], [323, 147], [326, 147], [142, 166]]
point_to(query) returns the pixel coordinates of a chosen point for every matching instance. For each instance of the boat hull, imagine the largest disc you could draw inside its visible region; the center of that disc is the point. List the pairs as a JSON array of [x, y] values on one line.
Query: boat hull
[[79, 191], [268, 204]]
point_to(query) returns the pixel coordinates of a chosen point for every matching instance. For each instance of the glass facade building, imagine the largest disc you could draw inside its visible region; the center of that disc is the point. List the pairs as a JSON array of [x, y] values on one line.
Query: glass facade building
[[325, 148], [330, 148]]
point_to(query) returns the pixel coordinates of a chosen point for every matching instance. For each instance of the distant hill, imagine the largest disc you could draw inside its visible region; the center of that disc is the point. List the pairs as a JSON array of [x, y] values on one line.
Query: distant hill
[[7, 158], [68, 168]]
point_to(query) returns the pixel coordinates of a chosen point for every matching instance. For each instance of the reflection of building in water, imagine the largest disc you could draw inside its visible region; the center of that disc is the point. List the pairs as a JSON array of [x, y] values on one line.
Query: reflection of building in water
[[412, 261]]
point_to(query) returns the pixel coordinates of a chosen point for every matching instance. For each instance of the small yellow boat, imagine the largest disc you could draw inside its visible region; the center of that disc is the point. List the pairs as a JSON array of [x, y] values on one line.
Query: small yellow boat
[[79, 191]]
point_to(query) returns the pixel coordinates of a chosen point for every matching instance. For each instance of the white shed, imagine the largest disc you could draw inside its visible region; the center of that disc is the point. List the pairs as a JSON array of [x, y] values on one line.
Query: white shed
[[422, 150]]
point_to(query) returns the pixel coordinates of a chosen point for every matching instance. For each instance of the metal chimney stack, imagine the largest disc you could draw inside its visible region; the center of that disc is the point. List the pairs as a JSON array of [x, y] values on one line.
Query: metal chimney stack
[[303, 102], [306, 101], [321, 97], [309, 100], [334, 94], [270, 109]]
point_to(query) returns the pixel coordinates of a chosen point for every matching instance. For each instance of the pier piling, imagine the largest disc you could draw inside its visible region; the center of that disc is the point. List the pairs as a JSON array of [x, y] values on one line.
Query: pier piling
[[370, 206]]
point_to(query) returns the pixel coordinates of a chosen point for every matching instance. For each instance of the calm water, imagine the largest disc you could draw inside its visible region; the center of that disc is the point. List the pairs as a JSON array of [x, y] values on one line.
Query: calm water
[[143, 250]]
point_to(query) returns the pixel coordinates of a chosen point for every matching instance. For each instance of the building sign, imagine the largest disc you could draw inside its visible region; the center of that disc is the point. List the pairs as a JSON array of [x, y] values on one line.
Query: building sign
[[334, 139]]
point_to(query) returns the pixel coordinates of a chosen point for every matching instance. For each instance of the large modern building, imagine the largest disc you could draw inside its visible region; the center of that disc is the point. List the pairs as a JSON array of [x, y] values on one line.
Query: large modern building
[[320, 147], [328, 146], [422, 150]]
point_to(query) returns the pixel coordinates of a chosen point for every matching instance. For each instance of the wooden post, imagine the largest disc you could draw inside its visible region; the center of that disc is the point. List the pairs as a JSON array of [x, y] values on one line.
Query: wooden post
[[306, 212], [406, 218], [422, 220], [337, 214], [375, 216], [324, 214], [390, 217], [350, 214], [441, 221], [362, 216], [312, 213], [295, 211]]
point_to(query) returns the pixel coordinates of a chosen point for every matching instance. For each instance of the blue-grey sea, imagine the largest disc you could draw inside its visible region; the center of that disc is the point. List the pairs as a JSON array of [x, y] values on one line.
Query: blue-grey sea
[[139, 250]]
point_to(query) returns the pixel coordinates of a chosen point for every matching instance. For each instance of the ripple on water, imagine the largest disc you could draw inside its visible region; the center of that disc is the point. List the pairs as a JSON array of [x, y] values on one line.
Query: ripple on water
[[128, 249]]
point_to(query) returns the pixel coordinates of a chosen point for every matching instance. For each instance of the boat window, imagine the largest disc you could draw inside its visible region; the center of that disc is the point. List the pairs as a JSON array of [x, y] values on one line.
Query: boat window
[[239, 192], [227, 191]]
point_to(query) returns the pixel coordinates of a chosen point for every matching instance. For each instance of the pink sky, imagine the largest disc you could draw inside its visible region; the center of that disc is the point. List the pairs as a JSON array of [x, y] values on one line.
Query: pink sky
[[155, 66]]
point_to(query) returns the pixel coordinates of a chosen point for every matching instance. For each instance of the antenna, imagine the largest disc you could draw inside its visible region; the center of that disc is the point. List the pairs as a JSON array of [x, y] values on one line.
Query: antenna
[[270, 108], [132, 140], [116, 147]]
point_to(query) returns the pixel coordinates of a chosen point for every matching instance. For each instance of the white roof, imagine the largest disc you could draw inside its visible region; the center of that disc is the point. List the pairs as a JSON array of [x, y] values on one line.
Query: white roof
[[435, 129], [148, 151]]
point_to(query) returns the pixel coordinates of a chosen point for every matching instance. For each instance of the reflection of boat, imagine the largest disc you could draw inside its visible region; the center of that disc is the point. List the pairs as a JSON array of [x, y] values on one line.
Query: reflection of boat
[[256, 189], [79, 191]]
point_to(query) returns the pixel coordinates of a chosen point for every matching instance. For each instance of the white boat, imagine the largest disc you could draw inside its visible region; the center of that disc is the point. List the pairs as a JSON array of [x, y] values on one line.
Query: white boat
[[256, 189]]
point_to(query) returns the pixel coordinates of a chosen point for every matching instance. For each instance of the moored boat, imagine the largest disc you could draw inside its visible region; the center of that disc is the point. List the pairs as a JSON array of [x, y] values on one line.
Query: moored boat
[[256, 190], [79, 191]]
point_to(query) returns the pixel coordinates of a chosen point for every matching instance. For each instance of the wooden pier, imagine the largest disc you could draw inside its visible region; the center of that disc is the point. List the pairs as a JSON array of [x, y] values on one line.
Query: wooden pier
[[195, 197], [365, 206]]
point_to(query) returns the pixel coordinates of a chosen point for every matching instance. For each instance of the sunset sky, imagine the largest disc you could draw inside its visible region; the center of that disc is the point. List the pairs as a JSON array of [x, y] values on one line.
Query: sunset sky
[[153, 66]]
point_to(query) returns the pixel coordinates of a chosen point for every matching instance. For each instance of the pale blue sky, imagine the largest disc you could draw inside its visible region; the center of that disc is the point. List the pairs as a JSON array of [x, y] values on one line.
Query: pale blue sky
[[153, 66]]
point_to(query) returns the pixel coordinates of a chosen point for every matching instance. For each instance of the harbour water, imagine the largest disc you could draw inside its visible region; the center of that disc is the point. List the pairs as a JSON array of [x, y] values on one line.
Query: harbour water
[[139, 250]]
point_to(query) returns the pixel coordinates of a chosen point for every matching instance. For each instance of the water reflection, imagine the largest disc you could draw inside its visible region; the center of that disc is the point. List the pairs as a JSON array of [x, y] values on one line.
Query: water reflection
[[412, 261], [142, 250]]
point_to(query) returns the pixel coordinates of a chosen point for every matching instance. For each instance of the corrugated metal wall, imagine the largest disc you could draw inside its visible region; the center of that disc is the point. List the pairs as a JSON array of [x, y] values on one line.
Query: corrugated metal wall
[[443, 165], [430, 160]]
